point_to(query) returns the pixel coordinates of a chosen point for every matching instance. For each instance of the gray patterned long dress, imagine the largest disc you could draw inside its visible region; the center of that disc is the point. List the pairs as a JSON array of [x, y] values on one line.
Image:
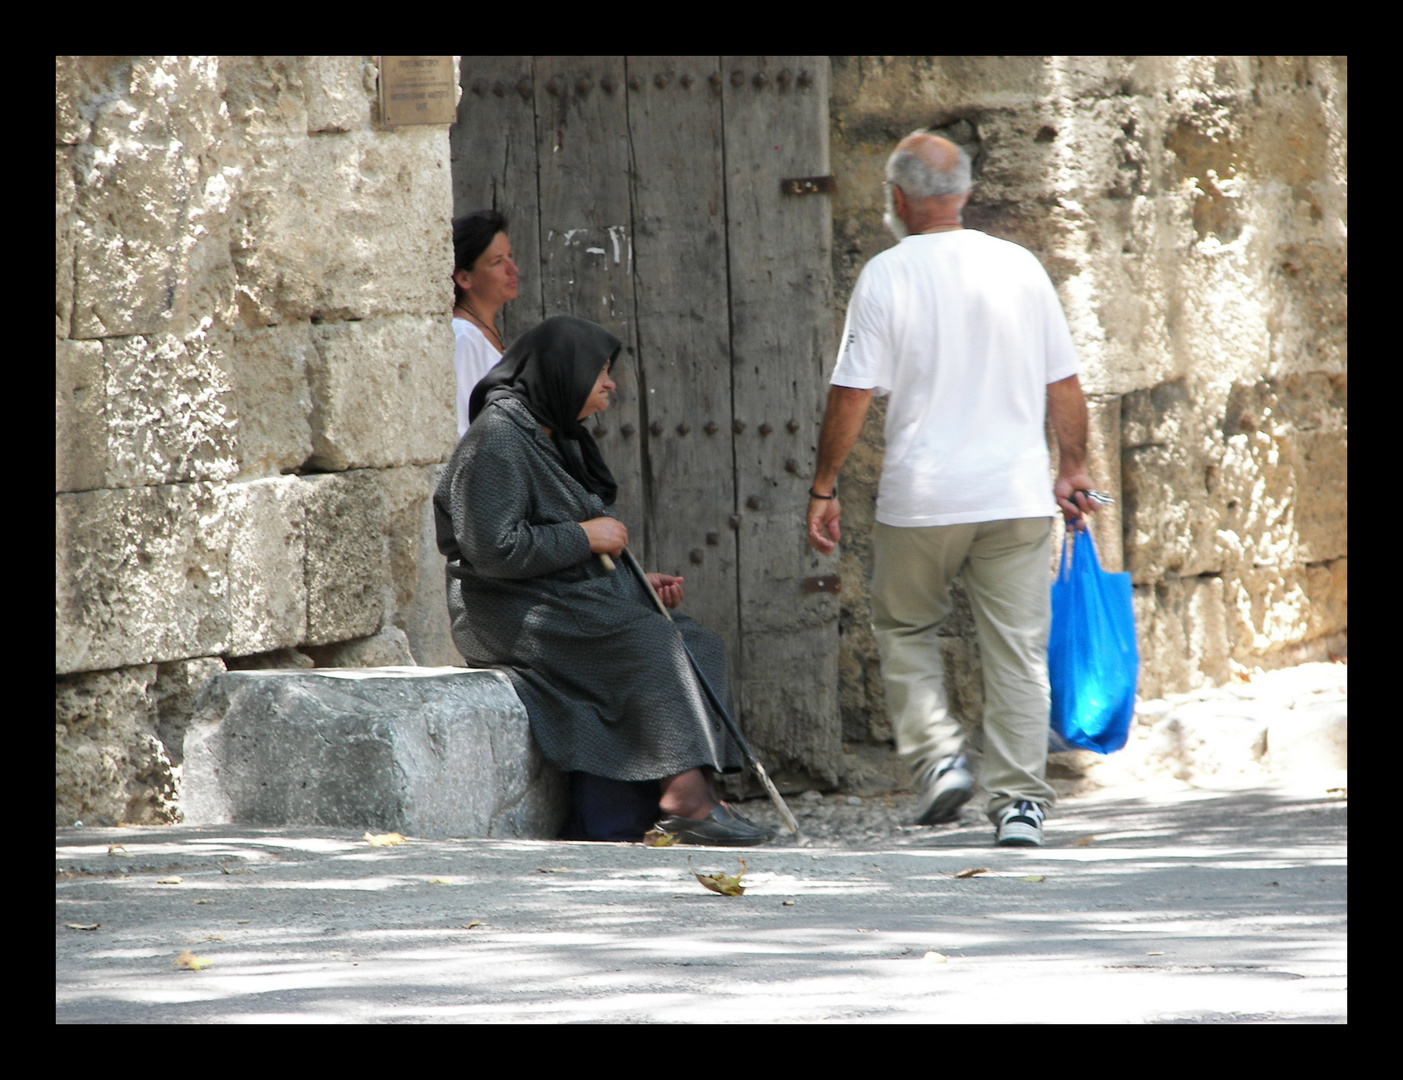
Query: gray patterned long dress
[[603, 675]]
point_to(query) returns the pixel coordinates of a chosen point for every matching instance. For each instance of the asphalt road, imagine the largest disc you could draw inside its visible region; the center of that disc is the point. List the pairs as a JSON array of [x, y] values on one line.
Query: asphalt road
[[1158, 904]]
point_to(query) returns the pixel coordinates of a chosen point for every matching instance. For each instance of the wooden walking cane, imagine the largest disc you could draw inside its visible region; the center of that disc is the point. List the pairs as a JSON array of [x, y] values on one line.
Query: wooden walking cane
[[716, 703]]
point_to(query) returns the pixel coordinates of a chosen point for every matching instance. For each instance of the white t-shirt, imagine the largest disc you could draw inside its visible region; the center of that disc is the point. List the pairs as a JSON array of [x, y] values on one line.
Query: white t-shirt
[[964, 331], [473, 357]]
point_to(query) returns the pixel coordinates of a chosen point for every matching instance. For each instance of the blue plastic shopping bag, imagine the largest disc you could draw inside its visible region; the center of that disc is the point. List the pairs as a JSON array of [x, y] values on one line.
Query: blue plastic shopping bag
[[1092, 658]]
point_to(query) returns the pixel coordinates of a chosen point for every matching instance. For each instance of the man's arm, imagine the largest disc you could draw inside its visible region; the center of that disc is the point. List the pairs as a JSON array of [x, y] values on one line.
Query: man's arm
[[842, 422], [1066, 406]]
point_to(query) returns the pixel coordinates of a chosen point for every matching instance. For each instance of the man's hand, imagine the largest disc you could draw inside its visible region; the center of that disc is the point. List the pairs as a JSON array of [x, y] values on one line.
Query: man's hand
[[668, 588], [1069, 493], [842, 423], [1066, 408], [606, 536], [823, 524]]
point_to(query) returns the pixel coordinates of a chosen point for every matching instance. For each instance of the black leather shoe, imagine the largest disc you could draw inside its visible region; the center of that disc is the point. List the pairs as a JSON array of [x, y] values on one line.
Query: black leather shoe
[[723, 827]]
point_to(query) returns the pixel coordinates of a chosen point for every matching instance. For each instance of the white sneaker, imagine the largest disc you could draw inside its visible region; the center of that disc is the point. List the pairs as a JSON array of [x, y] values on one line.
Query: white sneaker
[[1021, 825], [947, 787]]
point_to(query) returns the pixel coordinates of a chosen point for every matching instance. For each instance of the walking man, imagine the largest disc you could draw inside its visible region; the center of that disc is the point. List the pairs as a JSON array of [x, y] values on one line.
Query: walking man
[[966, 335]]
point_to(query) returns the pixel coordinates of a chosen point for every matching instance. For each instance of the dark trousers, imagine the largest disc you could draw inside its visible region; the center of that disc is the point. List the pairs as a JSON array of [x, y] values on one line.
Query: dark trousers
[[604, 809]]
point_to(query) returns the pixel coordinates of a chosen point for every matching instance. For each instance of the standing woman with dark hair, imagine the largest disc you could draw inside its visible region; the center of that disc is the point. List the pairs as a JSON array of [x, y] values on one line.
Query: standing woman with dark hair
[[484, 279]]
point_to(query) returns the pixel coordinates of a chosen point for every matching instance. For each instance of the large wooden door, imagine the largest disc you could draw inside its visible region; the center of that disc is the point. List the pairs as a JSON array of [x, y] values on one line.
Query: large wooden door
[[644, 193]]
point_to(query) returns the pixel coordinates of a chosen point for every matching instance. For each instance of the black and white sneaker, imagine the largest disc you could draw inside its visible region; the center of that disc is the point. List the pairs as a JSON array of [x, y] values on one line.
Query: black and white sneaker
[[947, 787], [1021, 825]]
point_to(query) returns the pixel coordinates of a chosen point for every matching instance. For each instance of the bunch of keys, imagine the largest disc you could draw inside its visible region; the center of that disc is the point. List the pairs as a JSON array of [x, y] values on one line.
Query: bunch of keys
[[1100, 498]]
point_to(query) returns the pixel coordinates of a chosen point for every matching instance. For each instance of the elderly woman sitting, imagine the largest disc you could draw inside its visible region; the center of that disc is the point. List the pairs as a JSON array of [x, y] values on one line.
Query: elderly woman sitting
[[523, 512]]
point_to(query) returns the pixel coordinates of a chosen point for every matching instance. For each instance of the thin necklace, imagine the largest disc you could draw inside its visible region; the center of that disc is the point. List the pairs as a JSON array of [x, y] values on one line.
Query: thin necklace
[[490, 329]]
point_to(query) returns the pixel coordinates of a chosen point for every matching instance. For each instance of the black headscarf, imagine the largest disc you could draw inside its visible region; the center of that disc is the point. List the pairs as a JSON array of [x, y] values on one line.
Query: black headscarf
[[551, 369]]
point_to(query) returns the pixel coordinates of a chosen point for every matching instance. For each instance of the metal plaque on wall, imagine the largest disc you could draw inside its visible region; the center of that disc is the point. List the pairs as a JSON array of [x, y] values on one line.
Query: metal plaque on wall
[[417, 90]]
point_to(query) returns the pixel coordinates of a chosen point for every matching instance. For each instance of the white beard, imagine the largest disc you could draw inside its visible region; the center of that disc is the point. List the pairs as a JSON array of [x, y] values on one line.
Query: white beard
[[893, 223]]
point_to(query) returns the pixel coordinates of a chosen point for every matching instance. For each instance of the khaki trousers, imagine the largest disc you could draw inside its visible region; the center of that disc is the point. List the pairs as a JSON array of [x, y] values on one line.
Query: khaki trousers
[[1006, 568]]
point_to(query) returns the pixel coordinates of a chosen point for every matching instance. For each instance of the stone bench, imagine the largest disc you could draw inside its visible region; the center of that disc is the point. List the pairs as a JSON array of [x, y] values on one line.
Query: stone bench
[[431, 752]]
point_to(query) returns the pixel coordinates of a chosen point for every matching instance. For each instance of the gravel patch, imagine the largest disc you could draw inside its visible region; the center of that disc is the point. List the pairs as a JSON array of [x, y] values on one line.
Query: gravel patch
[[839, 820]]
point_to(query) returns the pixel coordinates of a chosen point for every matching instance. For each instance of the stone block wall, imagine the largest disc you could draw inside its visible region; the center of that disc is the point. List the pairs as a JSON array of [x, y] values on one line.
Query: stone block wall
[[1192, 214], [253, 396]]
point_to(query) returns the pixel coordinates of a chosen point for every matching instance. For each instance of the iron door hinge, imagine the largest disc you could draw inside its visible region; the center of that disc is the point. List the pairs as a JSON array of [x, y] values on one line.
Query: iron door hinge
[[809, 185]]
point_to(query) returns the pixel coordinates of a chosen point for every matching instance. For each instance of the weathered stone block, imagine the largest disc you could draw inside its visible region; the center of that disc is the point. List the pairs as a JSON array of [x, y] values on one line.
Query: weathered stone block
[[1309, 285], [388, 648], [381, 396], [1313, 416], [1168, 464], [1267, 610], [65, 193], [906, 89], [347, 571], [338, 93], [265, 96], [268, 372], [169, 410], [1322, 512], [80, 421], [139, 574], [70, 126], [152, 249], [304, 197], [177, 685], [416, 567], [1201, 500], [267, 564], [276, 660], [1181, 628], [1327, 595], [421, 751], [110, 765]]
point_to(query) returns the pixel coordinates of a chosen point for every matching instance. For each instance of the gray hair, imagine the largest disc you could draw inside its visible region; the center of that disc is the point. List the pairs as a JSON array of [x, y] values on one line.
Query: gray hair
[[914, 175]]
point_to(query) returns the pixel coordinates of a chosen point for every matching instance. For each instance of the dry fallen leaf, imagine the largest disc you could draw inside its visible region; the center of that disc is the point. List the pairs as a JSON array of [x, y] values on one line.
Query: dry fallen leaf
[[725, 884], [389, 839], [440, 881], [174, 879], [936, 958], [118, 849], [658, 838], [187, 959], [475, 922], [1154, 954], [1085, 841], [1341, 792], [245, 922], [788, 903], [552, 869], [972, 871], [83, 926], [1035, 877]]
